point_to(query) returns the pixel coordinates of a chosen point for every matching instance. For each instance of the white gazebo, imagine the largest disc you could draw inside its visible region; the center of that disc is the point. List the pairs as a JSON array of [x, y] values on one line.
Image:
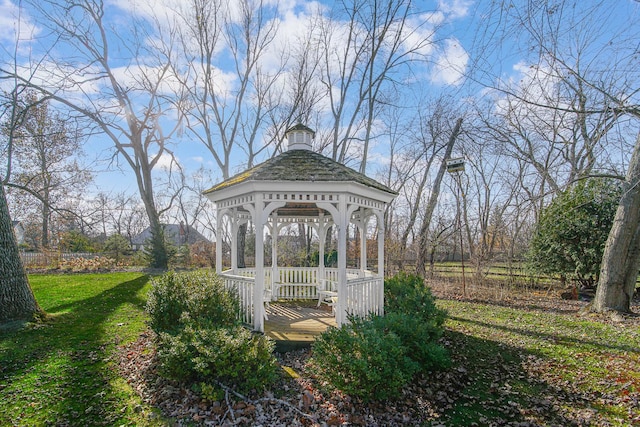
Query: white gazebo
[[301, 186]]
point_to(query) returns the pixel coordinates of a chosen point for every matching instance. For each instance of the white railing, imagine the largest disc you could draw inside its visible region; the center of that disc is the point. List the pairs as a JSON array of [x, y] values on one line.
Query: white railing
[[296, 283], [243, 286], [363, 289], [304, 275], [364, 296], [352, 273], [251, 272]]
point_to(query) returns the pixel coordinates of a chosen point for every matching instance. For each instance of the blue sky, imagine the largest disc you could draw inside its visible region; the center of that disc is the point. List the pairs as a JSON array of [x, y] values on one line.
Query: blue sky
[[447, 54], [453, 27]]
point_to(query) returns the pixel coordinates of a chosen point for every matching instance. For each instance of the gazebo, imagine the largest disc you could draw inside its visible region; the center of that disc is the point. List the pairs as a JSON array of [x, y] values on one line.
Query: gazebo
[[301, 186]]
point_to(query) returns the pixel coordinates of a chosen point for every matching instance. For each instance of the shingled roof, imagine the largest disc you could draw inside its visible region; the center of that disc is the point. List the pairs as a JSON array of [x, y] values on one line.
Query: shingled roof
[[302, 166]]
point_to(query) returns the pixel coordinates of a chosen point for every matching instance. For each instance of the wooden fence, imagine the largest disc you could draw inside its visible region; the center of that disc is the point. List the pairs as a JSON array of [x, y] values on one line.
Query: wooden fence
[[43, 259]]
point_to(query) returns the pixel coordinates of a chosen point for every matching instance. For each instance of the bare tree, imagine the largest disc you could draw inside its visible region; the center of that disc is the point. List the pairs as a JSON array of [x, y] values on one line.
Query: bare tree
[[45, 165], [423, 246], [123, 99], [366, 46], [621, 258], [544, 124], [17, 301], [244, 109], [600, 81], [189, 206], [226, 109], [487, 194], [118, 213]]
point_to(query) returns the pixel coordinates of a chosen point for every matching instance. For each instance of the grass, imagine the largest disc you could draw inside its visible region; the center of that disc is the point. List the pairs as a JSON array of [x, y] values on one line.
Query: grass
[[64, 371], [546, 367]]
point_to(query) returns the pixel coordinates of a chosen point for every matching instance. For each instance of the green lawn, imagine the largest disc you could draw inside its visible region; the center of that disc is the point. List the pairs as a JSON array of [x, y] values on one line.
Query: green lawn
[[64, 371], [551, 368]]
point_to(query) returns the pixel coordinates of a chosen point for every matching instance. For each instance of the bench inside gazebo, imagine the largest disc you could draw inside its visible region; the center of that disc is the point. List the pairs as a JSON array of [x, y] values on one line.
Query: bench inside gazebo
[[301, 186]]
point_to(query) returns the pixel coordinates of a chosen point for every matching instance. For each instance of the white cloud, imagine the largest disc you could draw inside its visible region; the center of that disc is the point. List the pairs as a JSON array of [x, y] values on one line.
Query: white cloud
[[166, 162], [148, 8], [451, 64], [455, 8], [15, 24], [419, 33], [72, 81]]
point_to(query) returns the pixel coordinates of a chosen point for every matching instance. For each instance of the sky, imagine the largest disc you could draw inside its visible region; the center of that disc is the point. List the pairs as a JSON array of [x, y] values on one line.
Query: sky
[[452, 27], [447, 54]]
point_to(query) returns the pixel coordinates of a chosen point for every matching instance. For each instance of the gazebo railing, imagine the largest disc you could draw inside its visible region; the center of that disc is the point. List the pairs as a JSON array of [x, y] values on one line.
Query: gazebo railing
[[243, 285], [363, 288], [364, 296]]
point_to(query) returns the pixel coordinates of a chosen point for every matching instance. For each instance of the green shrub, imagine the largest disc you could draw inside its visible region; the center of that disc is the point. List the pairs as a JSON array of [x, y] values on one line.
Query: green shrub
[[407, 293], [199, 297], [373, 358], [418, 336], [362, 360], [233, 356], [117, 246], [199, 338], [571, 233], [412, 314], [158, 250]]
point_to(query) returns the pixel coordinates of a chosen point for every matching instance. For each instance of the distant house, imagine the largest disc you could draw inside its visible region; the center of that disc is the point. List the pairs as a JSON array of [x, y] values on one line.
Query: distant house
[[176, 234], [18, 229]]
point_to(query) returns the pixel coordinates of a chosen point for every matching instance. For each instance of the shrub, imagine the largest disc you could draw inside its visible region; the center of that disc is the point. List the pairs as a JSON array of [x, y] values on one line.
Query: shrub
[[75, 241], [77, 265], [199, 297], [571, 232], [158, 250], [199, 337], [419, 337], [362, 360], [373, 358], [233, 356], [117, 246], [407, 293], [412, 314]]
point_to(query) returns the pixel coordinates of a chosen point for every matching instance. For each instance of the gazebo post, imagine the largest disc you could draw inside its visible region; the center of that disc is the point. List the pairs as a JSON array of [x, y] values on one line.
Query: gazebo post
[[342, 223], [380, 262], [258, 288], [219, 242], [275, 275], [234, 240], [322, 236], [362, 224]]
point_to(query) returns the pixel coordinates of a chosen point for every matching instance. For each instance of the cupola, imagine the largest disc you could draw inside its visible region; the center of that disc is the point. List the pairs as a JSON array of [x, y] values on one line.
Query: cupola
[[299, 137]]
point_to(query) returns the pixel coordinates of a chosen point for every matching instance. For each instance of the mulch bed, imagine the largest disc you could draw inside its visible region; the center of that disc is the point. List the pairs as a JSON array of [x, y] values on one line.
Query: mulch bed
[[298, 399]]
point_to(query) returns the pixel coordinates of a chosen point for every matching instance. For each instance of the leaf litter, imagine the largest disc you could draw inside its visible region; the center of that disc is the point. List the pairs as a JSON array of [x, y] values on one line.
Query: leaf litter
[[504, 384]]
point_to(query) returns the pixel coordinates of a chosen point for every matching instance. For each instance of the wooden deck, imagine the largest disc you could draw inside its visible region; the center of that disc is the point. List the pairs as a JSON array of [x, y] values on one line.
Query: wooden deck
[[295, 324]]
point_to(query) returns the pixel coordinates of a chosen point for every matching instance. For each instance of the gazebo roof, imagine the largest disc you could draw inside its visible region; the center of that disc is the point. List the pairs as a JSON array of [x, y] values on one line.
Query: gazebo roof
[[301, 166]]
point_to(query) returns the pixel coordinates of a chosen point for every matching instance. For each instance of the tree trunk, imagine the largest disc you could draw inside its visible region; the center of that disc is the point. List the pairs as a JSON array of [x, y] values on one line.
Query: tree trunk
[[17, 301], [621, 258], [46, 214], [423, 247]]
